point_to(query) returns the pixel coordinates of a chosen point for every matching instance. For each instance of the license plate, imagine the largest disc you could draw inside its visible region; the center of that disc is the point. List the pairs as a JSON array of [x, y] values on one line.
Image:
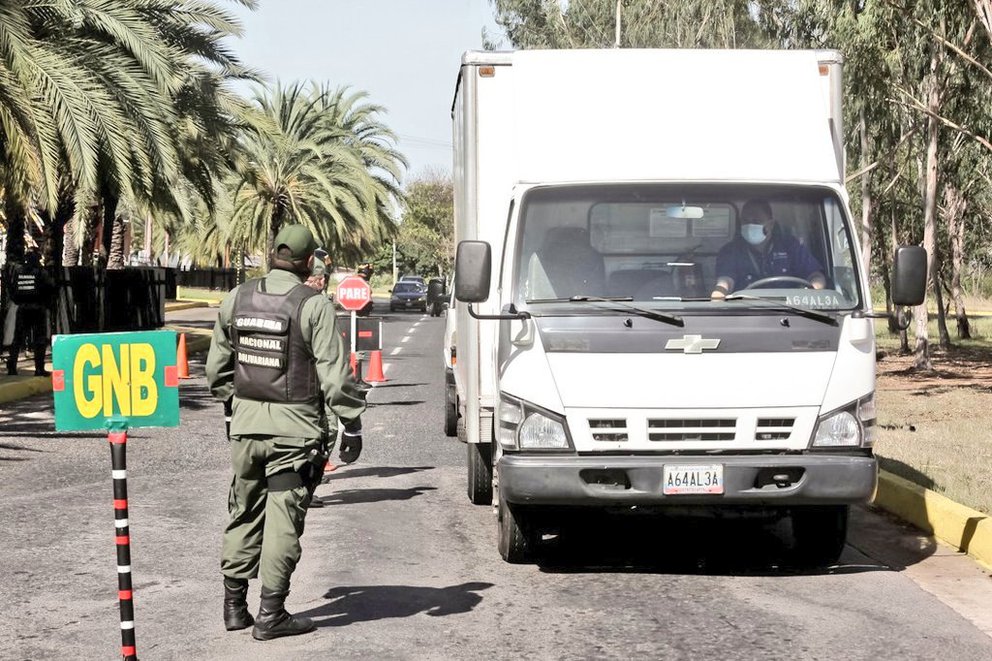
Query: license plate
[[692, 478]]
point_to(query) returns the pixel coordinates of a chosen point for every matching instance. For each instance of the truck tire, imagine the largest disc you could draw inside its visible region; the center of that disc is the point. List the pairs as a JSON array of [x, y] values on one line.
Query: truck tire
[[819, 534], [480, 473], [516, 536], [450, 417]]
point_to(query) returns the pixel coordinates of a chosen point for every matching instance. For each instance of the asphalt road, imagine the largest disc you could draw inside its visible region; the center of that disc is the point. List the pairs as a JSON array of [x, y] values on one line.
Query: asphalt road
[[399, 565]]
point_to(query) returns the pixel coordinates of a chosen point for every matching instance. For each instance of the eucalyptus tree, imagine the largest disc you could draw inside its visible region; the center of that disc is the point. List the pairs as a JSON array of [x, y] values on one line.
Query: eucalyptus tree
[[628, 24], [316, 157], [427, 226]]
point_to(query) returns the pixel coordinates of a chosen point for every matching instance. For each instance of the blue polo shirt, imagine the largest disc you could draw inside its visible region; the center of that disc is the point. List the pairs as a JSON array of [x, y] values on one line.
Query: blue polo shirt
[[785, 256]]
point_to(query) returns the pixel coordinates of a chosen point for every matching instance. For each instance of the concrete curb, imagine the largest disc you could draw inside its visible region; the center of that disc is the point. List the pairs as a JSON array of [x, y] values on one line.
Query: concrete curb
[[25, 387], [185, 305], [963, 528]]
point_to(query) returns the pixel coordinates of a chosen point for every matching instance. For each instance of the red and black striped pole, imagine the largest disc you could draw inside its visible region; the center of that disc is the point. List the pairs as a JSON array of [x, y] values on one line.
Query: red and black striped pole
[[118, 456]]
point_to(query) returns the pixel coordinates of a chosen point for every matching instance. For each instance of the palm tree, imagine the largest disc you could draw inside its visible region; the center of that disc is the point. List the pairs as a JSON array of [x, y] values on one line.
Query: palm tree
[[313, 159], [91, 95]]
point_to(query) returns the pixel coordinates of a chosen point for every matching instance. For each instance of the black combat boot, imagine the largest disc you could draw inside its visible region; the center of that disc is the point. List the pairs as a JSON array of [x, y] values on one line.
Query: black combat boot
[[274, 622], [236, 615], [39, 363]]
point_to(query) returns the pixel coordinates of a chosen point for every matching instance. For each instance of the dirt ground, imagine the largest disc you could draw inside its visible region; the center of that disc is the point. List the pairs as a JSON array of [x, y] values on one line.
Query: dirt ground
[[935, 428], [958, 367]]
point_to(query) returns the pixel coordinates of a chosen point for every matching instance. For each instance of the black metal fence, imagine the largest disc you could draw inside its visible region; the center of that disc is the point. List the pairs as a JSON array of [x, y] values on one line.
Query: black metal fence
[[222, 279], [89, 300]]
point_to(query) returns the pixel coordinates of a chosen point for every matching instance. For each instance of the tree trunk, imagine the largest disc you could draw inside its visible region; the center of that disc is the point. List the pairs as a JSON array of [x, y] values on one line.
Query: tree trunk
[[897, 310], [945, 337], [115, 256], [70, 242], [278, 216], [866, 199], [63, 215], [89, 226], [922, 350], [16, 224], [957, 205], [110, 203]]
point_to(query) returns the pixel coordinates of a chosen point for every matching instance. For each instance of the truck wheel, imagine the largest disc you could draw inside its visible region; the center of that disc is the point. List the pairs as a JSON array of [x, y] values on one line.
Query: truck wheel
[[516, 534], [819, 534], [450, 415], [480, 473]]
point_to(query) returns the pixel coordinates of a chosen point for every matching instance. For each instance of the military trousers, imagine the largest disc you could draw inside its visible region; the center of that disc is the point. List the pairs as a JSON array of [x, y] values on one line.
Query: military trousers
[[262, 538]]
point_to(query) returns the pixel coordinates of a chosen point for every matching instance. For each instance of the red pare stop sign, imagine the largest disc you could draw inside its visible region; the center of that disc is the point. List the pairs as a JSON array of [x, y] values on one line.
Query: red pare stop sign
[[354, 293]]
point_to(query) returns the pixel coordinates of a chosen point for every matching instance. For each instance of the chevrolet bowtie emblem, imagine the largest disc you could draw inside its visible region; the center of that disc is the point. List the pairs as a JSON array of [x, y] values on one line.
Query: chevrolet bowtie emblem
[[692, 344]]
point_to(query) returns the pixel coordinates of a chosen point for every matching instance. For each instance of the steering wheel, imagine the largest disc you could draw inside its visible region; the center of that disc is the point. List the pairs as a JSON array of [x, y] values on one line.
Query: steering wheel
[[783, 280]]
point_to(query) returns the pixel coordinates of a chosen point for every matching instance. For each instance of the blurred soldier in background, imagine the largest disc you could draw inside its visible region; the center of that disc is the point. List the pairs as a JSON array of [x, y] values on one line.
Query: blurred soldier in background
[[31, 290]]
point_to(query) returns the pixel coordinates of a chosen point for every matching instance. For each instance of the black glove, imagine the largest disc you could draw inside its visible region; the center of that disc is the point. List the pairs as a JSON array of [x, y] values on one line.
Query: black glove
[[351, 441]]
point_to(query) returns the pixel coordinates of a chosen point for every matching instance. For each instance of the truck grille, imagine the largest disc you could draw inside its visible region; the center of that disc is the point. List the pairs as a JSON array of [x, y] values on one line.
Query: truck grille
[[692, 429], [608, 429], [773, 429]]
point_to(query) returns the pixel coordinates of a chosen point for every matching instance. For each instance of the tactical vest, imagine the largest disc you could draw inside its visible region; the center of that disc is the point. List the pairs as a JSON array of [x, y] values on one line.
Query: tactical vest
[[272, 362], [25, 287]]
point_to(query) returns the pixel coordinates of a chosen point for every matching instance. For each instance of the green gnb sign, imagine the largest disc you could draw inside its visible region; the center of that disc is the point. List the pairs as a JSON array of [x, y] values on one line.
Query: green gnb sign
[[130, 378]]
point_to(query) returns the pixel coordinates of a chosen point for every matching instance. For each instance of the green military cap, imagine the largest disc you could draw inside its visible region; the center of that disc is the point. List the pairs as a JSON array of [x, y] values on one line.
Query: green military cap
[[298, 239]]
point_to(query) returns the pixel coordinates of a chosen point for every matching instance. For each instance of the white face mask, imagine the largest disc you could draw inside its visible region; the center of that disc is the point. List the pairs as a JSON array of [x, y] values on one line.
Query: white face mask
[[753, 233]]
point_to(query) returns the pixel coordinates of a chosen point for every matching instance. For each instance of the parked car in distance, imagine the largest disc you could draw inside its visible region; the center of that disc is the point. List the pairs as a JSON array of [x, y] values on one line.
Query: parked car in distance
[[408, 294], [412, 278]]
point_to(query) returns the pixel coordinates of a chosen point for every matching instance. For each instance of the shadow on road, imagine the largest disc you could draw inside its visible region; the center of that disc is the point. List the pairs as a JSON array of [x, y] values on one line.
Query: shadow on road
[[683, 545], [409, 402], [373, 471], [380, 386], [358, 496], [365, 603], [196, 397]]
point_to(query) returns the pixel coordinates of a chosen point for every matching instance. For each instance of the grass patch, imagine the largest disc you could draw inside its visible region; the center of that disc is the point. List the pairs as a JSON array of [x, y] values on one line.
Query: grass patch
[[941, 440], [193, 294], [935, 428]]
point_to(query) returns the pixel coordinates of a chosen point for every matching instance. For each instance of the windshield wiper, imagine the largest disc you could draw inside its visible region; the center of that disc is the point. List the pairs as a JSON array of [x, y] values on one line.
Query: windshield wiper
[[778, 305], [623, 304]]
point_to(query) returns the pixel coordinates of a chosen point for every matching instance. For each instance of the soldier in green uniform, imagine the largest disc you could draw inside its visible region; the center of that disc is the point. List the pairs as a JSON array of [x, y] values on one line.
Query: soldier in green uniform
[[277, 357]]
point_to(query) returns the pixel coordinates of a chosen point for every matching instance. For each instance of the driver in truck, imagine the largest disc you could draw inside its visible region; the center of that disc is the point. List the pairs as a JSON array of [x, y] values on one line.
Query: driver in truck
[[762, 251]]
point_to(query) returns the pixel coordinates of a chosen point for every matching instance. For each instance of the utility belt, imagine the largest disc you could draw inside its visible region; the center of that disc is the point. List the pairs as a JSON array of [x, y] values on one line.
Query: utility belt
[[309, 474]]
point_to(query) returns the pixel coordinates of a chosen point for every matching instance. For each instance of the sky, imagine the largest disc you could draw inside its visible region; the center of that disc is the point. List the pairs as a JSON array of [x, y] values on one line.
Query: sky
[[404, 53]]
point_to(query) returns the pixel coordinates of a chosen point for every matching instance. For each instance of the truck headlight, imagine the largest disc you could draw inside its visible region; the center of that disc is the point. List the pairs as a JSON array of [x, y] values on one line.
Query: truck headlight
[[525, 426], [851, 426], [840, 429]]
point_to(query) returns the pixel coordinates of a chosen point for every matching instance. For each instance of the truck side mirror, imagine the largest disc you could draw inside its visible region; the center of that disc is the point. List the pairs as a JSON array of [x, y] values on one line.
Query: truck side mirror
[[473, 269], [909, 275]]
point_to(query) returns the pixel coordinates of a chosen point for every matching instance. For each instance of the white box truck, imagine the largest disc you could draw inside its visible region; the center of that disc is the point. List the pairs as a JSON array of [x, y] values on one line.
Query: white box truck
[[660, 296]]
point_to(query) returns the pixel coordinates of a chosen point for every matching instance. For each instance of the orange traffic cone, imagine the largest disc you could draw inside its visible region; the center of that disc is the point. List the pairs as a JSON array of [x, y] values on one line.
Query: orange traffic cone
[[375, 374], [182, 365], [354, 365]]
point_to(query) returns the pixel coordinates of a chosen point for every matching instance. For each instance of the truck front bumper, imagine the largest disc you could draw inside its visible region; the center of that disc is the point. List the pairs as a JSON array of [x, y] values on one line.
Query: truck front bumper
[[813, 479]]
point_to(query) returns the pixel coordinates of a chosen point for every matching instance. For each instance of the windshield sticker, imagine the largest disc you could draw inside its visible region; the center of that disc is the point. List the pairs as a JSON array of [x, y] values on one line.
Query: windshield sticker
[[715, 223], [661, 226]]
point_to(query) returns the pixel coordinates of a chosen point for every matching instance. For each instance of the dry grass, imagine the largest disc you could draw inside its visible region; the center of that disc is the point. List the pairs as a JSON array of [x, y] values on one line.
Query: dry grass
[[193, 294], [936, 427]]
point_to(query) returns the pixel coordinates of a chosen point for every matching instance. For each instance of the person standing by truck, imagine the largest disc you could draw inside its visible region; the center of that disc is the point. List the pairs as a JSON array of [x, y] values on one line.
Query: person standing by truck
[[277, 356], [31, 289], [763, 250]]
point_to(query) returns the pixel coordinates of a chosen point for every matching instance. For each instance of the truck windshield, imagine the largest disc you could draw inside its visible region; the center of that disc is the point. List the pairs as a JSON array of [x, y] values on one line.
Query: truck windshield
[[666, 245]]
